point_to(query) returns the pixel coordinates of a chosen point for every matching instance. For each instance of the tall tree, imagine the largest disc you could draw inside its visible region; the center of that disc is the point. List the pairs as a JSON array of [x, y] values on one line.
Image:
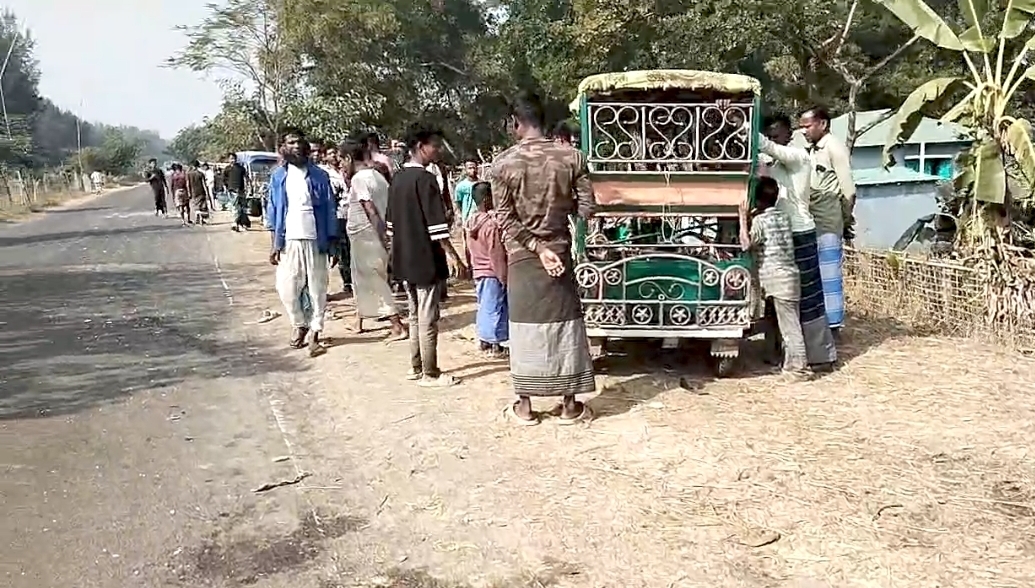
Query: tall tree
[[242, 45]]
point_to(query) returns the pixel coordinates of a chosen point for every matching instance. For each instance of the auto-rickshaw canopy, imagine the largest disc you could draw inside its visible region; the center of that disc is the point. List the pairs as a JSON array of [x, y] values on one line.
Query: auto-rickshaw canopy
[[665, 79]]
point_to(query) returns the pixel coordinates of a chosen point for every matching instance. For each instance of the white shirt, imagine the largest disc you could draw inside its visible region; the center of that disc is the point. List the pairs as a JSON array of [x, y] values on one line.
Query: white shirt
[[210, 178], [832, 167], [367, 186], [791, 167], [338, 188], [96, 177], [434, 169], [299, 220]]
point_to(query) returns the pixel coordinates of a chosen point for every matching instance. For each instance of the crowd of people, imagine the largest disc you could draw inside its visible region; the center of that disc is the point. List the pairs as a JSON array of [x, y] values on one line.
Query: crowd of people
[[387, 221]]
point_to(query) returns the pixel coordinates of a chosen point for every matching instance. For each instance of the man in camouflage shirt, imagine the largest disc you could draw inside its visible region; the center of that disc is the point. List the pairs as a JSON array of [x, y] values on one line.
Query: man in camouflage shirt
[[537, 184]]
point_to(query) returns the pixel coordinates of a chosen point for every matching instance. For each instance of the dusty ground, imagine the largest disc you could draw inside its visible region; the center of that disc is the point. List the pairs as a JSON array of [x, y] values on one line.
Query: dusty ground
[[907, 467]]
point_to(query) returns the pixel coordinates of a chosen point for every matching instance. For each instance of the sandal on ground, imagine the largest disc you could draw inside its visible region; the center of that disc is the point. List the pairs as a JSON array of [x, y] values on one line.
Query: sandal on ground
[[443, 381], [413, 374], [267, 316], [585, 416], [397, 337], [510, 413]]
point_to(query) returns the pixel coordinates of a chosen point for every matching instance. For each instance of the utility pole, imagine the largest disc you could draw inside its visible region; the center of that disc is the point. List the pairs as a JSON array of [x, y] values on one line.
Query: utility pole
[[3, 70]]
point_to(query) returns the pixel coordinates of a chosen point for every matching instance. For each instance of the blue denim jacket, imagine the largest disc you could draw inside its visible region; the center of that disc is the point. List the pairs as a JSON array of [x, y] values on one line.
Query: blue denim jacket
[[323, 207]]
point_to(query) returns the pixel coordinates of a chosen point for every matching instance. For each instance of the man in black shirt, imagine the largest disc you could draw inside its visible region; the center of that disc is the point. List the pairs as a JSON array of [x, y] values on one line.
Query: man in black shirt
[[234, 182], [416, 219], [156, 178]]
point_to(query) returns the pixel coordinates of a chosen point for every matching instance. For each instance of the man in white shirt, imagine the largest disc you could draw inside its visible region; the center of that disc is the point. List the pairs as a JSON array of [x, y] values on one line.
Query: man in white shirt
[[831, 201], [97, 179], [210, 183], [791, 167], [303, 219]]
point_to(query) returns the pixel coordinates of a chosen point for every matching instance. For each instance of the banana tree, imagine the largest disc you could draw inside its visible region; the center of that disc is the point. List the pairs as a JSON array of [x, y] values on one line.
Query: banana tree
[[999, 139]]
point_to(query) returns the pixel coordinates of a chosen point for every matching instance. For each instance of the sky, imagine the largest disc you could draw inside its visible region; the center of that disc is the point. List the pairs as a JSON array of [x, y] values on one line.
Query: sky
[[102, 60]]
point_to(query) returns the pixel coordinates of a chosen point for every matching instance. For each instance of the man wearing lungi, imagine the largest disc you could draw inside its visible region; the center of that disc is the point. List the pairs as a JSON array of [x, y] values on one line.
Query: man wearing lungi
[[791, 167], [304, 222], [831, 201], [537, 184]]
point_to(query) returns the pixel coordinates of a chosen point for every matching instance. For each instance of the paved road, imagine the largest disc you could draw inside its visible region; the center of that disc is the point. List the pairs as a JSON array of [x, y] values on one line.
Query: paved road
[[132, 425]]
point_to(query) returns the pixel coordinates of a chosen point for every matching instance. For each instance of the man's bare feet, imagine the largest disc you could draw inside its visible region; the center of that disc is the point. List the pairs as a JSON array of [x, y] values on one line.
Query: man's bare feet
[[399, 331], [523, 408]]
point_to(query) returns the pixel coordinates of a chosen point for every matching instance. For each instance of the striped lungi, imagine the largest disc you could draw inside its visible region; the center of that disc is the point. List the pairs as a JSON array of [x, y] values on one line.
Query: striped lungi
[[819, 341], [830, 259], [549, 350]]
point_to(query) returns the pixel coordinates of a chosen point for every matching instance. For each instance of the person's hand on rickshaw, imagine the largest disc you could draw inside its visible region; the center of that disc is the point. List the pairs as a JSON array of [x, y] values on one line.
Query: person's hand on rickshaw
[[743, 211]]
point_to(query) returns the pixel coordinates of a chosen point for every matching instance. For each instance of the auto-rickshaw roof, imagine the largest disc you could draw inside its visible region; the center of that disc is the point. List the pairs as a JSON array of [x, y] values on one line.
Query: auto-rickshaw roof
[[664, 79], [244, 157]]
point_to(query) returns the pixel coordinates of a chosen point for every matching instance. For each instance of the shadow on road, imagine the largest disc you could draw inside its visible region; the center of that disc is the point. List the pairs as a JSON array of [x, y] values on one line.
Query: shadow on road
[[38, 238], [83, 209], [73, 339]]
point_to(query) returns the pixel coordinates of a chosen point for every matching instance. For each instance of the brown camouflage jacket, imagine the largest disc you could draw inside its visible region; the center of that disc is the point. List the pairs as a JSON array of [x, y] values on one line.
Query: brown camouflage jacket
[[536, 185]]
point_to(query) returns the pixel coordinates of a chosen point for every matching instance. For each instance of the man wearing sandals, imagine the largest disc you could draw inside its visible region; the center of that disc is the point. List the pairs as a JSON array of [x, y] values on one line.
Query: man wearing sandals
[[537, 185], [416, 219], [303, 218]]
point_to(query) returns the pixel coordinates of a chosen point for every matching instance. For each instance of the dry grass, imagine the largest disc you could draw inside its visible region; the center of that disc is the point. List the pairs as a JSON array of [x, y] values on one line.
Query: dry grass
[[907, 467], [18, 210]]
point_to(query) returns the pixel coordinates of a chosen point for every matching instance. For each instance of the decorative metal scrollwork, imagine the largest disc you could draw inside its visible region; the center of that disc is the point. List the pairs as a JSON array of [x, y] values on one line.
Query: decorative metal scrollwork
[[736, 278], [613, 276], [680, 315], [642, 314], [587, 276], [710, 277], [605, 314], [668, 133], [651, 289], [714, 316]]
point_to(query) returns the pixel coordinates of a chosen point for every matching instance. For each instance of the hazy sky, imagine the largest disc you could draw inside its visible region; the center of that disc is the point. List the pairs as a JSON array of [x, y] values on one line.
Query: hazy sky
[[102, 58]]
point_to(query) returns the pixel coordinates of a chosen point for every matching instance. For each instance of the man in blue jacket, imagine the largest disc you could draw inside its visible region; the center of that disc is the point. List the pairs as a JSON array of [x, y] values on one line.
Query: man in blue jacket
[[304, 223]]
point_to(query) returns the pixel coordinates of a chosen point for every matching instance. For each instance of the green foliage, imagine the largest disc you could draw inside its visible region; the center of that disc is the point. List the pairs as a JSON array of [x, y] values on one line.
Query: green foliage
[[118, 154], [189, 144]]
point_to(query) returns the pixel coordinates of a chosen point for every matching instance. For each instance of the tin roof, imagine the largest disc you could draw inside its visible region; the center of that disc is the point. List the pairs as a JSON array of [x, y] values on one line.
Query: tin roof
[[931, 130], [894, 175]]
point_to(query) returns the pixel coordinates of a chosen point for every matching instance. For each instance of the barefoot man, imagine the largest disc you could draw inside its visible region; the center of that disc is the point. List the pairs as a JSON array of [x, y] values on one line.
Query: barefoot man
[[536, 185], [305, 233]]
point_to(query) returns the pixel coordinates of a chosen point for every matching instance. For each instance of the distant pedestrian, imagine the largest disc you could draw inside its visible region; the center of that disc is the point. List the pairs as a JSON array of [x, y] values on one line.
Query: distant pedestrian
[[197, 191], [97, 179], [155, 177], [178, 183], [235, 180], [210, 183]]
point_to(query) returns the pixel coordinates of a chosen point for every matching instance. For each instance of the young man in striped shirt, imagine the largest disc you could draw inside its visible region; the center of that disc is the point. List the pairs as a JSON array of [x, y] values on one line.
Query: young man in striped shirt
[[421, 251]]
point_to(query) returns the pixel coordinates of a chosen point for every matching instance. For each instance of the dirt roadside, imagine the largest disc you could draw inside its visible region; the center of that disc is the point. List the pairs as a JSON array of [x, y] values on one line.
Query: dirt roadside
[[908, 467]]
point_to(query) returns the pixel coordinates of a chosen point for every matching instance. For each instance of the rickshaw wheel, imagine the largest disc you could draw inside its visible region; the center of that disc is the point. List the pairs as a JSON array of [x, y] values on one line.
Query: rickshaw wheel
[[724, 367]]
